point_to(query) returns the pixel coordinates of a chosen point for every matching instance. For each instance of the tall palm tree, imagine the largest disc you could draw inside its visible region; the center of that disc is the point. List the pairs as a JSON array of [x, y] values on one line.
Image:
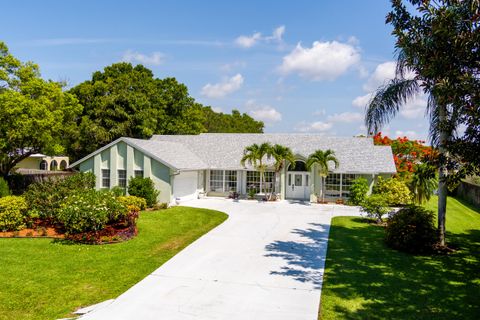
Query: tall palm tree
[[281, 154], [255, 155], [386, 103], [321, 159], [423, 183]]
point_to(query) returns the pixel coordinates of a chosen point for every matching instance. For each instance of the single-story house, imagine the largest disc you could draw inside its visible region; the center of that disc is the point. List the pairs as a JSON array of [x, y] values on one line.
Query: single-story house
[[43, 162], [186, 166]]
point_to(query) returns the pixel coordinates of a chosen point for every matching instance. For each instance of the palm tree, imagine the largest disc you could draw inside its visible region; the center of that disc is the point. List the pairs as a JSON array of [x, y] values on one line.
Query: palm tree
[[254, 155], [423, 183], [281, 154], [321, 159], [386, 103]]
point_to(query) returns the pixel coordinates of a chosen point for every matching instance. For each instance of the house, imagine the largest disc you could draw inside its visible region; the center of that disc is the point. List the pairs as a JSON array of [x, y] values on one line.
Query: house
[[185, 166], [42, 162]]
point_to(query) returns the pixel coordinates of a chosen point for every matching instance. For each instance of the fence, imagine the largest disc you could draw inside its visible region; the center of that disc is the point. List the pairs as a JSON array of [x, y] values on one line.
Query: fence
[[469, 192]]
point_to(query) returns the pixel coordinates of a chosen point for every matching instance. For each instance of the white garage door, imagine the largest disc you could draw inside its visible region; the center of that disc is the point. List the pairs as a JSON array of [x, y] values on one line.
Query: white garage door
[[185, 185]]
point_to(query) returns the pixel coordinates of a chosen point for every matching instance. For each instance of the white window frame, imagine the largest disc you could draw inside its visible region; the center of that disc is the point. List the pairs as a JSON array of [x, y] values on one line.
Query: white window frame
[[106, 178], [253, 179], [122, 178], [223, 178]]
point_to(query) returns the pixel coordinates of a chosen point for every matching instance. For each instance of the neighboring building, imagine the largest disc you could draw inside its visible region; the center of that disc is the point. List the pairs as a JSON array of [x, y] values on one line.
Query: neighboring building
[[184, 166], [42, 162]]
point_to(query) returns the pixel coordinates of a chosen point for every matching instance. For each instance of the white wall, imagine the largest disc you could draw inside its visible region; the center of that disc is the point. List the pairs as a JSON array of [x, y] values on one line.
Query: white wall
[[185, 185]]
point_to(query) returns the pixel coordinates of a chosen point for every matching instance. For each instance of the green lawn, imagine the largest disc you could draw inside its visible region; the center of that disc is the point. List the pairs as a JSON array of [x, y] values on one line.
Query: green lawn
[[366, 280], [44, 279]]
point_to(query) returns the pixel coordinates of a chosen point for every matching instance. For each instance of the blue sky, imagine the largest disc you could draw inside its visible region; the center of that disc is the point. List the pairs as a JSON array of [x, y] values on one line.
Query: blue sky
[[299, 66]]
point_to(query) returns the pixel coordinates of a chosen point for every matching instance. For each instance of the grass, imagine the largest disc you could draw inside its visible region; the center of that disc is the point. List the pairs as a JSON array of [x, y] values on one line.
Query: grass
[[44, 279], [366, 280]]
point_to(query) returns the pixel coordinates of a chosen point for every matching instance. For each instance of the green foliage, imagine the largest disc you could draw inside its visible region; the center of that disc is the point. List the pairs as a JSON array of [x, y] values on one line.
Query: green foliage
[[161, 206], [411, 229], [394, 191], [4, 189], [358, 191], [46, 197], [90, 210], [141, 203], [321, 160], [35, 114], [143, 188], [423, 183], [231, 123], [13, 213], [118, 191], [375, 206], [255, 155]]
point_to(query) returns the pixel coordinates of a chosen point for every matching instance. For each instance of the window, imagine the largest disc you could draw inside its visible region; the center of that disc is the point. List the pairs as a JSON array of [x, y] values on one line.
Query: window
[[347, 181], [53, 165], [253, 181], [223, 180], [44, 165], [332, 185], [138, 173], [63, 165], [105, 178], [122, 178]]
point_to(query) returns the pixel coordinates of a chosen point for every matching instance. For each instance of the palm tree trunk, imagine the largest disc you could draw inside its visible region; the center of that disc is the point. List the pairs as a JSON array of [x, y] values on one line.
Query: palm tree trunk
[[443, 173]]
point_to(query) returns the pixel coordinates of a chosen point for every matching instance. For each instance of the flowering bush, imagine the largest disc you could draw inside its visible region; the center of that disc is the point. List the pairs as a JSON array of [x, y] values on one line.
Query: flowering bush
[[133, 201], [90, 211], [394, 191], [13, 213]]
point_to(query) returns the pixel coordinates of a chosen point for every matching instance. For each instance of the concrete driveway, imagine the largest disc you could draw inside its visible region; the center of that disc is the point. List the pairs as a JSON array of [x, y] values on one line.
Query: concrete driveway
[[265, 262]]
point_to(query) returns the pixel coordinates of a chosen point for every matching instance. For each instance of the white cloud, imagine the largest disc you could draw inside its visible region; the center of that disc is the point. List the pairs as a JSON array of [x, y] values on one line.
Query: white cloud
[[361, 101], [345, 117], [265, 113], [217, 109], [383, 73], [320, 112], [323, 61], [409, 134], [317, 126], [220, 90], [415, 108], [155, 59], [248, 41]]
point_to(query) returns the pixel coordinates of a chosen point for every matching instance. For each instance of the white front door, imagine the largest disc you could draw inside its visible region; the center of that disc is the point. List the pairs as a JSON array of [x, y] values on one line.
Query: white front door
[[298, 185]]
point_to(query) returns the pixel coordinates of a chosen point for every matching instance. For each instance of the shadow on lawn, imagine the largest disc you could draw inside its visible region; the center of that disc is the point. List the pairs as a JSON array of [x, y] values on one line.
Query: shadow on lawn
[[304, 258], [397, 285]]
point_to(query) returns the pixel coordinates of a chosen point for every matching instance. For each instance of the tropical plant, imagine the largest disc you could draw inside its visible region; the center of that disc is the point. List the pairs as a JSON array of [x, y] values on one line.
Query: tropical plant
[[143, 188], [375, 206], [281, 155], [393, 190], [255, 155], [423, 183], [321, 160], [448, 80], [358, 191], [4, 189]]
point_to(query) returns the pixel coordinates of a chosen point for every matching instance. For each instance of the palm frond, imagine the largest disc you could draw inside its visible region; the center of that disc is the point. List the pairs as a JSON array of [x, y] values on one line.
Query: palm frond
[[387, 101]]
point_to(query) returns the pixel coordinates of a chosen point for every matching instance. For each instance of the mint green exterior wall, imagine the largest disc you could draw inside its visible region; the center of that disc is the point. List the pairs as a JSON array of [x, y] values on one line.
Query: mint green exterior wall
[[124, 157]]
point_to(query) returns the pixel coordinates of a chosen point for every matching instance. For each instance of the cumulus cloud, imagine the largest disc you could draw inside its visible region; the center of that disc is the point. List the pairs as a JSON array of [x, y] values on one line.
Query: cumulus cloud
[[317, 126], [361, 101], [249, 41], [409, 134], [345, 117], [155, 59], [220, 90], [383, 73], [265, 113], [415, 108], [323, 61]]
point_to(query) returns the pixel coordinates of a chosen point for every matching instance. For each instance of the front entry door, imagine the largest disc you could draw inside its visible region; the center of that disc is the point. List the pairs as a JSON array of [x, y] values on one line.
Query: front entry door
[[298, 185]]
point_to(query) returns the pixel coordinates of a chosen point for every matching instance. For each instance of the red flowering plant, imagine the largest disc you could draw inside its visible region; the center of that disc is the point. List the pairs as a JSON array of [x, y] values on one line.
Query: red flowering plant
[[407, 153]]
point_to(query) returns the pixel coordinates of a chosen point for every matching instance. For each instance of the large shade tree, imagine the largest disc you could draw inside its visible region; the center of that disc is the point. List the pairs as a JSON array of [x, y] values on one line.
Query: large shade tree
[[35, 114], [321, 160], [256, 155], [436, 44]]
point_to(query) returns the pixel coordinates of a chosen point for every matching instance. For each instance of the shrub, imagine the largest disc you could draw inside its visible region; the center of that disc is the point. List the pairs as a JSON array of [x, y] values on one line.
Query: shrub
[[161, 206], [358, 191], [118, 191], [90, 211], [411, 229], [375, 206], [394, 191], [13, 213], [46, 197], [143, 188], [133, 201], [4, 189]]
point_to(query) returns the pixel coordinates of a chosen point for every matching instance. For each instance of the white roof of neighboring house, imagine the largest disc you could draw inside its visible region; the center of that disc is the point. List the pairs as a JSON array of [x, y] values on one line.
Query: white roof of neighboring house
[[224, 150]]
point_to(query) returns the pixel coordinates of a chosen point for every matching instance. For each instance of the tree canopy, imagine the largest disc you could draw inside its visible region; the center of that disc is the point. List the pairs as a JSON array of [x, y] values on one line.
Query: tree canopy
[[231, 123], [35, 114]]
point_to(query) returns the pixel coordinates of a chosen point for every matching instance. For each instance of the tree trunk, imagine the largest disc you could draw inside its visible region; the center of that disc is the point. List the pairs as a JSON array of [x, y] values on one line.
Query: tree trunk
[[443, 173]]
